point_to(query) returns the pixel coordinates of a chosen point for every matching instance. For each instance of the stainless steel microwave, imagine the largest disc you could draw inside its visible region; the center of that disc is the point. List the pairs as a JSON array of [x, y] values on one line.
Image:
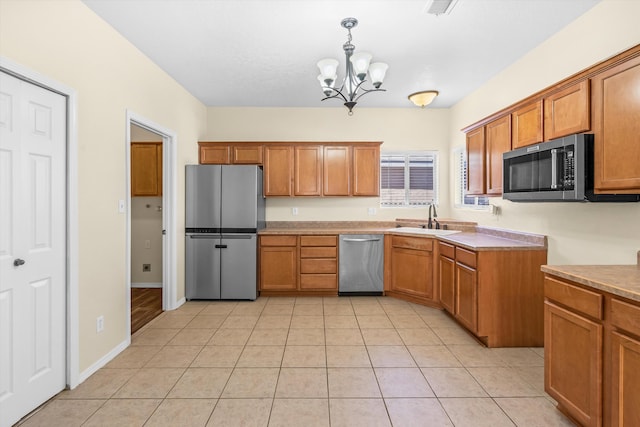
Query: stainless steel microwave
[[556, 171]]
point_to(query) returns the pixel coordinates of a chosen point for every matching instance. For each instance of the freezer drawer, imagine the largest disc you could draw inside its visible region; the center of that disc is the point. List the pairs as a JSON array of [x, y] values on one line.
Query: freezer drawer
[[361, 264], [221, 266]]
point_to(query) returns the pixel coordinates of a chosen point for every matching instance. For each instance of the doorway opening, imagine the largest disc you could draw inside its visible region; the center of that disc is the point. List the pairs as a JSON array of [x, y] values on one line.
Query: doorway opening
[[151, 254]]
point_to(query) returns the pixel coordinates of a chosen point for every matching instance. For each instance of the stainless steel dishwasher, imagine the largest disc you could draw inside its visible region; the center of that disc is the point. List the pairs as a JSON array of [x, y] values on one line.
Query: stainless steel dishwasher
[[360, 264]]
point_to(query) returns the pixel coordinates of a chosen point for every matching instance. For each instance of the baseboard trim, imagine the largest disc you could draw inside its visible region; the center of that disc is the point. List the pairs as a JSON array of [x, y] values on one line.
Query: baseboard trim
[[146, 285], [103, 361]]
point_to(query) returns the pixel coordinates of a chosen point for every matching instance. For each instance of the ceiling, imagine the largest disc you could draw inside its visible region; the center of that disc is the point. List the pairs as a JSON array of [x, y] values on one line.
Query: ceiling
[[263, 53]]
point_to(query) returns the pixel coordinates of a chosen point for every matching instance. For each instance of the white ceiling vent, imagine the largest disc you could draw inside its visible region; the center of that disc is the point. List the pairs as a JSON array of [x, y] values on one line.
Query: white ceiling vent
[[439, 7]]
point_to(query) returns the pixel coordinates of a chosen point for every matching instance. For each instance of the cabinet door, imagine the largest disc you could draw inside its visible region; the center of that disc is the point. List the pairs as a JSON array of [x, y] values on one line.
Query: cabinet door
[[308, 171], [336, 171], [411, 272], [466, 296], [526, 123], [616, 128], [366, 171], [278, 170], [214, 154], [476, 162], [498, 139], [625, 385], [567, 111], [247, 154], [278, 268], [447, 288], [573, 363], [146, 169]]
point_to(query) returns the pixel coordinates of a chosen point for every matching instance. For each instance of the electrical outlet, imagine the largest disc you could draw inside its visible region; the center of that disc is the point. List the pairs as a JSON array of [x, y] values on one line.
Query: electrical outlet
[[100, 324], [146, 267], [294, 211], [147, 244], [371, 211]]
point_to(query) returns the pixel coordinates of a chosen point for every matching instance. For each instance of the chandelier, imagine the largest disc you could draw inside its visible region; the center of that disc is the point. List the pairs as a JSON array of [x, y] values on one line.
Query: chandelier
[[357, 66]]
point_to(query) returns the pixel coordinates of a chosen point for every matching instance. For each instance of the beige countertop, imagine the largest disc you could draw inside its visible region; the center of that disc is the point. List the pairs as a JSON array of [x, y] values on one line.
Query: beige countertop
[[621, 280], [473, 237]]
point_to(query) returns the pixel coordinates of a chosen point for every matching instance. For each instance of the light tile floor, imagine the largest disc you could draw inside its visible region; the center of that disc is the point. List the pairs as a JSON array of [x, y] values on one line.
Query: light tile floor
[[359, 361]]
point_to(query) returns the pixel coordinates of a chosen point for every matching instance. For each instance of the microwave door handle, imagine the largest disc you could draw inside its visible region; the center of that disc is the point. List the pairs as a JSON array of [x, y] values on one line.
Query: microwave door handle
[[554, 169]]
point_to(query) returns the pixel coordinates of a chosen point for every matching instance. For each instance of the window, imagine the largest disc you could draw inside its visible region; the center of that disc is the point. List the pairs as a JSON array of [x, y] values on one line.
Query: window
[[461, 199], [408, 179]]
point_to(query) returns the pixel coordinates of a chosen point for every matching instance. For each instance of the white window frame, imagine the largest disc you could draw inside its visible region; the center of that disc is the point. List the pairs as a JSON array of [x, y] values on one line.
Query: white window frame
[[459, 176], [408, 155]]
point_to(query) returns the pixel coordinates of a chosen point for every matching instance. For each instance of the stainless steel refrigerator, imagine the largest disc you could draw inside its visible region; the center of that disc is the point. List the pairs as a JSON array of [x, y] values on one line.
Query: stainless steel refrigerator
[[224, 210]]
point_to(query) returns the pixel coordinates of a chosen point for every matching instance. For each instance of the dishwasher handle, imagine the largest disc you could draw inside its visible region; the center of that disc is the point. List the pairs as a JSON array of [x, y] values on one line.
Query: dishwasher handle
[[360, 240]]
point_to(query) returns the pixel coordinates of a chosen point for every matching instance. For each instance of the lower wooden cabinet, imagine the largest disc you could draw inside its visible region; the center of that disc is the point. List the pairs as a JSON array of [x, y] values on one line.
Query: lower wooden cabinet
[[410, 265], [496, 295], [298, 265], [592, 354], [279, 263]]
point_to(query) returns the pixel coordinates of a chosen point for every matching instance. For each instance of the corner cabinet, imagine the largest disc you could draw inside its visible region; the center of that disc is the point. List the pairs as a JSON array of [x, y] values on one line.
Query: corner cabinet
[[409, 266], [494, 294], [146, 169], [616, 128]]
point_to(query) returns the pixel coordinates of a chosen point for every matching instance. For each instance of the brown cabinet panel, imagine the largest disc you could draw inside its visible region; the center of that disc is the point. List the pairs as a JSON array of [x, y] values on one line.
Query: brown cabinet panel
[[247, 154], [447, 273], [420, 243], [325, 282], [278, 240], [625, 316], [318, 240], [412, 272], [616, 128], [466, 296], [278, 170], [318, 265], [526, 125], [336, 172], [318, 252], [366, 171], [146, 169], [476, 175], [278, 268], [579, 299], [567, 111], [214, 154], [308, 170], [573, 363], [498, 140], [466, 257], [625, 386]]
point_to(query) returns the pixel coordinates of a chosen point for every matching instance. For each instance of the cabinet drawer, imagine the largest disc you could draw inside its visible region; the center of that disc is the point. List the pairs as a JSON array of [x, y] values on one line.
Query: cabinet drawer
[[625, 316], [466, 257], [318, 240], [318, 281], [420, 243], [322, 265], [446, 250], [278, 240], [582, 300], [318, 252]]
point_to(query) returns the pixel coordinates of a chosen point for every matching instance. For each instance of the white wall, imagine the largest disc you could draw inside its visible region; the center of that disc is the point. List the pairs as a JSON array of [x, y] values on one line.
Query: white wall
[[398, 129], [65, 41], [578, 233], [146, 226]]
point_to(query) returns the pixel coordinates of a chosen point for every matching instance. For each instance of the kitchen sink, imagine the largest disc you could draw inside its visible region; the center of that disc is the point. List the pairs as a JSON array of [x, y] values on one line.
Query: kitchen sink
[[425, 231]]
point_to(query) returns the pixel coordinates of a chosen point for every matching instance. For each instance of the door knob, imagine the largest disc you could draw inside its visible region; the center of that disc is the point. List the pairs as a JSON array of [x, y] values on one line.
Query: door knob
[[18, 262]]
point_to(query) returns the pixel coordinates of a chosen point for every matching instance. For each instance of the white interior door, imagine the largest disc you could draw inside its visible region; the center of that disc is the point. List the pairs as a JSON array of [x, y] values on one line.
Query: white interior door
[[32, 246]]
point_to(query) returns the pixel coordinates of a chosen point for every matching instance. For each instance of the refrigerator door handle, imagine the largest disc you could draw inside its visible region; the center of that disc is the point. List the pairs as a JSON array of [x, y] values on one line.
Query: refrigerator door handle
[[220, 246], [204, 236]]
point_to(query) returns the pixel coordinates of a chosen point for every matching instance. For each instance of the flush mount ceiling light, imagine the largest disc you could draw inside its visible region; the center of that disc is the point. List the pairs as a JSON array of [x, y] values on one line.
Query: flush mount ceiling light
[[423, 98], [357, 66]]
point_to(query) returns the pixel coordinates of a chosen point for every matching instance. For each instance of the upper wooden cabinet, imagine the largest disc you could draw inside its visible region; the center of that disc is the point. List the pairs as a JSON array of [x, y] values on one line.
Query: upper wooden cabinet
[[278, 170], [336, 171], [307, 170], [498, 141], [146, 169], [526, 124], [366, 171], [567, 111], [226, 153], [616, 128], [476, 162]]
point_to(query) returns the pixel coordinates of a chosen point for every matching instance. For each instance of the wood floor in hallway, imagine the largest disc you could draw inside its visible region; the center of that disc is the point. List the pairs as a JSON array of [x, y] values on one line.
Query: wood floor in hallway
[[146, 305]]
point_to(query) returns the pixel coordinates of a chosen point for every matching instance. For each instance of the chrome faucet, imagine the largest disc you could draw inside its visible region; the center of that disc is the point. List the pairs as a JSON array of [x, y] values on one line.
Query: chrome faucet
[[435, 215]]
